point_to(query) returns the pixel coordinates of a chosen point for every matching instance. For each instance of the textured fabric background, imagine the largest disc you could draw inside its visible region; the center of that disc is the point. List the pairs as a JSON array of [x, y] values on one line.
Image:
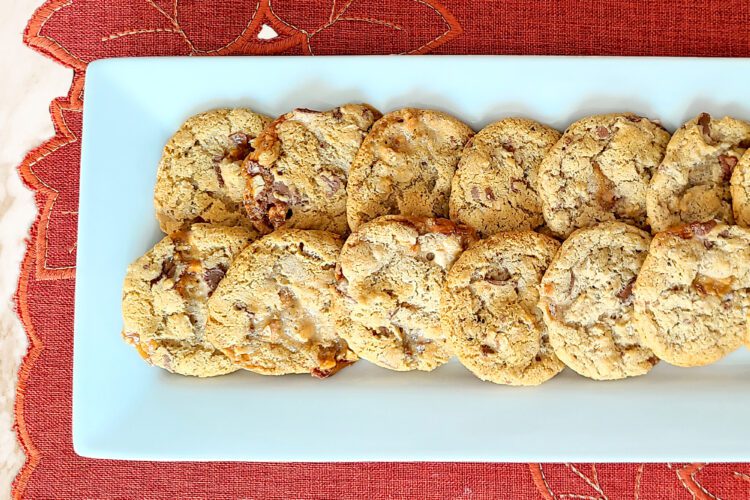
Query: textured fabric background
[[28, 84], [75, 32]]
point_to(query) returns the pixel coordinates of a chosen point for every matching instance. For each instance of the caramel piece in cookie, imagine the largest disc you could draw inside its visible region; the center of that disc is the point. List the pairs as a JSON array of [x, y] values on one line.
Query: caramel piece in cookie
[[692, 296], [587, 300], [272, 313], [405, 166], [692, 183], [199, 177], [297, 175], [489, 309], [599, 171], [164, 305], [740, 189], [495, 185], [391, 276]]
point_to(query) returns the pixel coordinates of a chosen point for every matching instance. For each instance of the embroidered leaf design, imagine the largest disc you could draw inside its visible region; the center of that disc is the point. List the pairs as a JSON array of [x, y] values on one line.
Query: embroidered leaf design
[[615, 481], [379, 26], [711, 481], [216, 24], [108, 29], [157, 27], [51, 170]]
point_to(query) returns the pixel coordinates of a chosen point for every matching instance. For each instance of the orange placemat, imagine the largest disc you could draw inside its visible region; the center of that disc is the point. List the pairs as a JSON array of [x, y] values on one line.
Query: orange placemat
[[75, 32]]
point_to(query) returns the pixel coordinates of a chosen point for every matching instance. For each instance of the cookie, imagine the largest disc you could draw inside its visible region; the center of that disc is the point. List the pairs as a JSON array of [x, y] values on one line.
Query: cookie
[[165, 295], [692, 183], [390, 277], [587, 302], [297, 175], [199, 177], [489, 309], [495, 185], [405, 166], [272, 312], [692, 295], [599, 171], [740, 190]]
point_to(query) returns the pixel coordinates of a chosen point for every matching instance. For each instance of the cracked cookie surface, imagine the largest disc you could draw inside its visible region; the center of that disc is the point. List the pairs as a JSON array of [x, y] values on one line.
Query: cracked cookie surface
[[692, 295], [692, 184], [272, 313], [599, 171], [495, 185], [390, 278], [489, 309], [740, 190], [199, 177], [165, 296], [587, 302], [405, 166], [298, 173]]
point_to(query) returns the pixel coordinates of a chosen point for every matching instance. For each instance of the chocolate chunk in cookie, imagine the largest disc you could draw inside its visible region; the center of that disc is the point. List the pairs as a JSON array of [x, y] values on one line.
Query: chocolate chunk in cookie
[[692, 294], [489, 309], [272, 312], [199, 177], [298, 173], [599, 171], [587, 300], [392, 271], [405, 166], [495, 185], [692, 184], [165, 296]]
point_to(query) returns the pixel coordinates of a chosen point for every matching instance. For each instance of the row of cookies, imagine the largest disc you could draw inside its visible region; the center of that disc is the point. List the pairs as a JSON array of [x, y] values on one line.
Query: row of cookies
[[337, 169], [407, 158], [407, 293], [603, 168], [516, 307]]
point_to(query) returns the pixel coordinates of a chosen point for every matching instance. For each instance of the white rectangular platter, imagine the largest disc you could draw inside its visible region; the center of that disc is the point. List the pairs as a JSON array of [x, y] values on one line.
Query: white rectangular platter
[[124, 409]]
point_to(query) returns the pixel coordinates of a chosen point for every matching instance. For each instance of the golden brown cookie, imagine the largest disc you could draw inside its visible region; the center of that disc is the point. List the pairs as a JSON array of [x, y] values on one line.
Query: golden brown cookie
[[588, 302], [495, 185], [272, 313], [692, 295], [165, 294], [199, 177], [692, 183], [391, 275], [405, 166], [297, 175], [489, 309], [740, 190], [599, 171]]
